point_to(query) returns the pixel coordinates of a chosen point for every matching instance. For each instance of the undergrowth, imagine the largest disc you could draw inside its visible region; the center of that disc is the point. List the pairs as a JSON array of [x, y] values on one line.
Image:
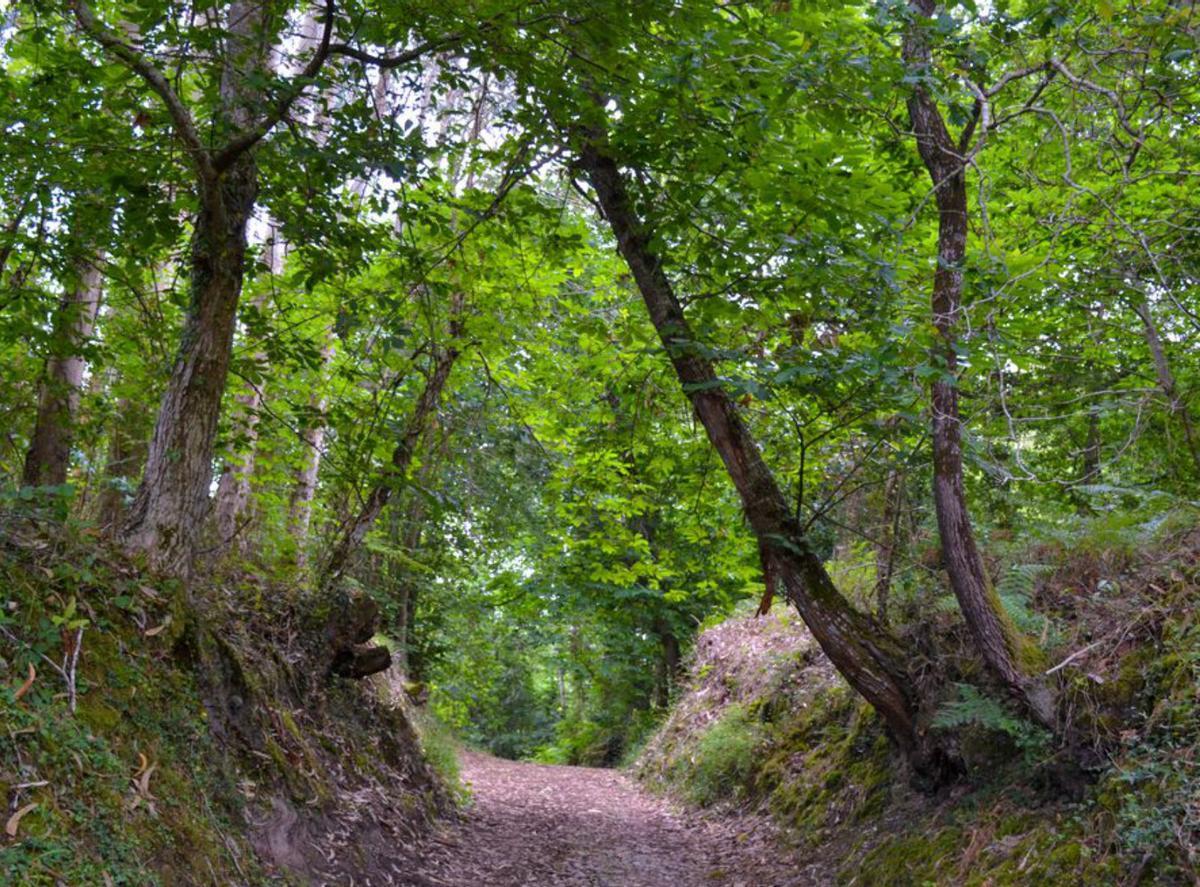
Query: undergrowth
[[767, 724], [723, 763], [128, 788]]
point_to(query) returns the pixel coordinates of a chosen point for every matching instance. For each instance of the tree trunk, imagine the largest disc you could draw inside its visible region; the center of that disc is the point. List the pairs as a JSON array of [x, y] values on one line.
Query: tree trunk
[[410, 544], [1166, 380], [1001, 646], [49, 454], [173, 499], [300, 504], [889, 542], [872, 661], [669, 662], [126, 456]]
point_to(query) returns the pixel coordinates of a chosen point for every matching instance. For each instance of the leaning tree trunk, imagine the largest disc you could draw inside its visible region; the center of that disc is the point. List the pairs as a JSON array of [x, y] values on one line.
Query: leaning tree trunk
[[1003, 649], [870, 659], [427, 404], [49, 453]]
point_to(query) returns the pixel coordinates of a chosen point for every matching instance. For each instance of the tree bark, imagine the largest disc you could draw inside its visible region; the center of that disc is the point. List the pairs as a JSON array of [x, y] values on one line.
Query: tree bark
[[872, 661], [1001, 646], [173, 499], [49, 454]]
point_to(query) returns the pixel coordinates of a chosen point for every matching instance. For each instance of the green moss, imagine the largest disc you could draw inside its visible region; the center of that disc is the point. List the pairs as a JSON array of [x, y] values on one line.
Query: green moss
[[97, 715]]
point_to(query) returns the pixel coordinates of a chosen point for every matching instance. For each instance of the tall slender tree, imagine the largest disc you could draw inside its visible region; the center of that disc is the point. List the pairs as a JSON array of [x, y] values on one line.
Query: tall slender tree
[[48, 458], [872, 661], [1006, 652]]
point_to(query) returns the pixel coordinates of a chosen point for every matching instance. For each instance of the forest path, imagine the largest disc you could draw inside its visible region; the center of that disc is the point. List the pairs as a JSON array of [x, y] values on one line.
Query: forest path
[[550, 826]]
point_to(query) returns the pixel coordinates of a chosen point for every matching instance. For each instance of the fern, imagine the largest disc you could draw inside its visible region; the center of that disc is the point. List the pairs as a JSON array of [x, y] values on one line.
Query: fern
[[973, 708], [1015, 589], [1021, 580]]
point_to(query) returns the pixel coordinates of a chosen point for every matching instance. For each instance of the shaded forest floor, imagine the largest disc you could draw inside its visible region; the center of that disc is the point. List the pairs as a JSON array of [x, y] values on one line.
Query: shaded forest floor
[[548, 825]]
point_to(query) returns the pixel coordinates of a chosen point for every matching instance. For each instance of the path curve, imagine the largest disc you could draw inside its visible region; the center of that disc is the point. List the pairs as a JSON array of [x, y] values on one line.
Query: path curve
[[536, 825]]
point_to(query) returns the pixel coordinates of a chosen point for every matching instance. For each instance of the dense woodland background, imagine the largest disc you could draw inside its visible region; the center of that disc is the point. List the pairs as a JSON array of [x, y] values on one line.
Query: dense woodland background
[[515, 343]]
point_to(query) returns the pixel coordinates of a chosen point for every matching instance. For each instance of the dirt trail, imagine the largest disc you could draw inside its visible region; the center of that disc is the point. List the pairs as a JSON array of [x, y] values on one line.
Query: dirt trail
[[545, 826]]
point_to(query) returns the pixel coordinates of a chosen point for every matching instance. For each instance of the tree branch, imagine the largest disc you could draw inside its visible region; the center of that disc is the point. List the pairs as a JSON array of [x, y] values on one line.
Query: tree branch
[[251, 136], [394, 61], [185, 127]]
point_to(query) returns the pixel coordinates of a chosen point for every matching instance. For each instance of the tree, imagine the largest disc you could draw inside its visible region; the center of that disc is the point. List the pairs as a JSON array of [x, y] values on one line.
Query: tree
[[872, 661], [1000, 645], [172, 501], [49, 453]]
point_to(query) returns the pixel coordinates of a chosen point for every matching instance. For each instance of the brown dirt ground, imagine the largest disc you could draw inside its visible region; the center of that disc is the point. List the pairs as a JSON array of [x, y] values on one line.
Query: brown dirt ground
[[549, 826]]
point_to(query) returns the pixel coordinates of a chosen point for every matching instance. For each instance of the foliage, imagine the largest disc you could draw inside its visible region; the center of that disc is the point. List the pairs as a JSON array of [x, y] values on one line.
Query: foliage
[[724, 760], [130, 788], [820, 765], [973, 708]]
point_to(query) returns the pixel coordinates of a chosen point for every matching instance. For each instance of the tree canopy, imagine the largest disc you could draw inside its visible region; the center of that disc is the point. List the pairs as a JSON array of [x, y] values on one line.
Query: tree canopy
[[557, 329]]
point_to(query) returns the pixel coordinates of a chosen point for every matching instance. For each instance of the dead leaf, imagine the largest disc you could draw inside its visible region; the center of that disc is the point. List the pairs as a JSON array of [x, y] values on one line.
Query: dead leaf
[[151, 632], [24, 688], [14, 821], [143, 783], [149, 592]]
